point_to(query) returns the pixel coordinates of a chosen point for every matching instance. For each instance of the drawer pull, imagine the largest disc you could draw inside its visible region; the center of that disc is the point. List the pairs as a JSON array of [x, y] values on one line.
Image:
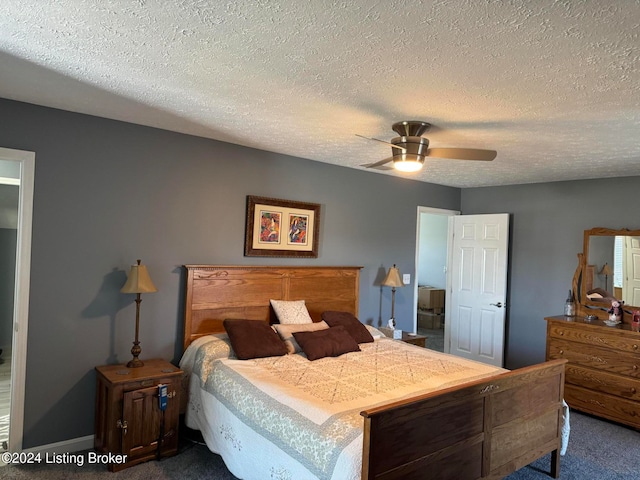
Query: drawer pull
[[633, 390], [561, 332], [635, 347], [635, 367], [561, 352]]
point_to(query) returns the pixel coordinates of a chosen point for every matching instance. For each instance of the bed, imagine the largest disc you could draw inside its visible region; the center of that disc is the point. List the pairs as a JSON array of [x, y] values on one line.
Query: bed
[[428, 412]]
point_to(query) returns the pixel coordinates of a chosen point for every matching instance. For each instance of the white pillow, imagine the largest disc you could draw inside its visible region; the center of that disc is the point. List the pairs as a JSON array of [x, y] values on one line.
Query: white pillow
[[291, 311], [375, 333], [286, 333]]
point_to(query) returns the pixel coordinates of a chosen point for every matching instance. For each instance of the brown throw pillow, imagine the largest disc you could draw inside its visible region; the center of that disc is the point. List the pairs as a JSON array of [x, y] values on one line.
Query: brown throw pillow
[[356, 329], [253, 339], [286, 333], [331, 342]]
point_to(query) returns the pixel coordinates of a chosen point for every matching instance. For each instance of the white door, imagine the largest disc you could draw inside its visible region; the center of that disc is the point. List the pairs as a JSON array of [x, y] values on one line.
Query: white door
[[479, 287], [631, 271]]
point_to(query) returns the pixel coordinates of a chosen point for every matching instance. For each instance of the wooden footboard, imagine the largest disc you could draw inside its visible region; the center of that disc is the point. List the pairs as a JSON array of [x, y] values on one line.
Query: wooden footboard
[[480, 430]]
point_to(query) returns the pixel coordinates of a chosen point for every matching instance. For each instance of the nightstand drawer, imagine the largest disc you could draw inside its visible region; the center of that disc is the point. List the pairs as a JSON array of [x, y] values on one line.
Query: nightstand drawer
[[152, 382]]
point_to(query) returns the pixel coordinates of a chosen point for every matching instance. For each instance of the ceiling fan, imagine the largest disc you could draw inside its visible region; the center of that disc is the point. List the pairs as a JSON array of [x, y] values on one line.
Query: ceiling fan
[[410, 149]]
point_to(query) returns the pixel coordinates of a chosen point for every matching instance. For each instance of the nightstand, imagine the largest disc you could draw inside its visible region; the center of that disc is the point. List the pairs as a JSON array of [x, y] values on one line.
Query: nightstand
[[419, 340], [129, 420]]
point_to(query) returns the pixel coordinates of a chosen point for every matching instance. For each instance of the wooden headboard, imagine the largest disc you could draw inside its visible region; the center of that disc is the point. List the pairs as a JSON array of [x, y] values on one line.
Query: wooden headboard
[[217, 292]]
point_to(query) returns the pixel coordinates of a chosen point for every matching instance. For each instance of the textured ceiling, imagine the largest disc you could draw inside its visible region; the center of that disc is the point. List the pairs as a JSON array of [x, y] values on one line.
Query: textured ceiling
[[553, 86]]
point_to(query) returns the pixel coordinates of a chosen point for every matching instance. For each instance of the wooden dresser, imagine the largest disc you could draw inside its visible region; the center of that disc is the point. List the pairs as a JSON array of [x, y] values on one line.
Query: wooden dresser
[[603, 373]]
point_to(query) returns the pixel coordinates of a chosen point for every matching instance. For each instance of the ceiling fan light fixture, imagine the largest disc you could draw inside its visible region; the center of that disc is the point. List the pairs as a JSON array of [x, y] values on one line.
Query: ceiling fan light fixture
[[408, 163], [410, 149]]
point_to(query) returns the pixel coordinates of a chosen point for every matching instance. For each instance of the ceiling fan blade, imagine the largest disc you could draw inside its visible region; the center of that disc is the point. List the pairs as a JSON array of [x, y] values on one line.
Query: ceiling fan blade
[[382, 141], [462, 153], [379, 165]]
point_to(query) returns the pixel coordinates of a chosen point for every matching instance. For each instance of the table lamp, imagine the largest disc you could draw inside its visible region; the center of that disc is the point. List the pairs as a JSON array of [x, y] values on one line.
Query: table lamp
[[393, 280], [607, 272], [138, 282]]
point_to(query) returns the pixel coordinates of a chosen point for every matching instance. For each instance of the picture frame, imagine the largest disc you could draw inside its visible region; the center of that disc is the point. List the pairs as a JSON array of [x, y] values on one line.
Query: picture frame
[[281, 228]]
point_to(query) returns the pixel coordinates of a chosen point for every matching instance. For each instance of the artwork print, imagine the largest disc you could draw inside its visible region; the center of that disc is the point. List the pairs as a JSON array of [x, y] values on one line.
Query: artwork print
[[281, 228], [298, 229], [270, 225]]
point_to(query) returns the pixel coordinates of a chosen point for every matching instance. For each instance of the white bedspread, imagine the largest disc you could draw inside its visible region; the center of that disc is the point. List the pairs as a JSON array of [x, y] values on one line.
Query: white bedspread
[[289, 418]]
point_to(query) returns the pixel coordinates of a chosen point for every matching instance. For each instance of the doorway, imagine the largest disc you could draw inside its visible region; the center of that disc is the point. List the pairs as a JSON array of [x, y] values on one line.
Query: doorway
[[440, 321], [432, 281], [17, 170]]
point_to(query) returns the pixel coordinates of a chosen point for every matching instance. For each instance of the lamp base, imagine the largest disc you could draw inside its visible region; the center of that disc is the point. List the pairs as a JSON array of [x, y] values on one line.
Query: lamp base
[[135, 362]]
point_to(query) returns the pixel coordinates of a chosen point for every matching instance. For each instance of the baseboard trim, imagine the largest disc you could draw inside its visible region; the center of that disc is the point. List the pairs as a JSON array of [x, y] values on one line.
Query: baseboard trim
[[67, 446]]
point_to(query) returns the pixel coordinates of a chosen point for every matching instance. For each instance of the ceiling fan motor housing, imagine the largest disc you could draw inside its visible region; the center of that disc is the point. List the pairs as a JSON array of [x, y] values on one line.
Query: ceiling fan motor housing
[[411, 128], [415, 146]]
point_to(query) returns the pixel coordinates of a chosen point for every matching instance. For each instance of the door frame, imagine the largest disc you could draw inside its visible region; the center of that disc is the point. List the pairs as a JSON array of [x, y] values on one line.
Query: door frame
[[26, 160], [450, 214]]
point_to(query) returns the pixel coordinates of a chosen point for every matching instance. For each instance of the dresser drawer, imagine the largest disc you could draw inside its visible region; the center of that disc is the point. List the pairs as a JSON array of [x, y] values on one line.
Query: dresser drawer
[[595, 357], [603, 405], [612, 384], [614, 339]]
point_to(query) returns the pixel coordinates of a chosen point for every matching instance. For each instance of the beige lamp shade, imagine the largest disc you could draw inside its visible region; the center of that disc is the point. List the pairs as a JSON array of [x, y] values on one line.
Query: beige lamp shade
[[139, 280], [393, 278]]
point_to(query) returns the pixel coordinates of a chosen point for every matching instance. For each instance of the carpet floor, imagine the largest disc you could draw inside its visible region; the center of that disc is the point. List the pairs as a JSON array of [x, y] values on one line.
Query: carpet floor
[[435, 338], [598, 450]]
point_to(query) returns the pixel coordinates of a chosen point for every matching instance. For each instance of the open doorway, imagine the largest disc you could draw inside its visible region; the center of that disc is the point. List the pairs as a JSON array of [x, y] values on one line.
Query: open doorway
[[17, 169], [432, 255], [9, 189]]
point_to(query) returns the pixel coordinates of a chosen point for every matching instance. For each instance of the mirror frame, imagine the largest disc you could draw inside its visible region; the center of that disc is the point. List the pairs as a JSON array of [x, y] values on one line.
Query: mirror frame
[[600, 232]]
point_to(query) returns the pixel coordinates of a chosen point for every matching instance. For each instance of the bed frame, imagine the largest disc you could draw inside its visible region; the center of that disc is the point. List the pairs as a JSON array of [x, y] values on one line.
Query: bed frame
[[479, 430]]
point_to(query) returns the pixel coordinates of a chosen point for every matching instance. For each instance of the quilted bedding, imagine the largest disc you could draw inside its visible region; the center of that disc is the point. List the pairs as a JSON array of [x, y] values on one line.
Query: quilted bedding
[[289, 418]]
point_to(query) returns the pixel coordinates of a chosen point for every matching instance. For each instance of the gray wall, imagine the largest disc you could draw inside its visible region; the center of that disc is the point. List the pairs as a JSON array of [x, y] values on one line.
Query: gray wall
[[107, 193], [547, 226]]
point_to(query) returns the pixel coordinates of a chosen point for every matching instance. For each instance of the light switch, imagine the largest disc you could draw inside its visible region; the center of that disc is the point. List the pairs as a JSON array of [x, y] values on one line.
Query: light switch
[[406, 278]]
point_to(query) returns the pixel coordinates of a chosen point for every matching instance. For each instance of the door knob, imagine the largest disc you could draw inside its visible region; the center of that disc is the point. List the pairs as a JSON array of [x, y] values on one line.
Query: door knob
[[499, 304]]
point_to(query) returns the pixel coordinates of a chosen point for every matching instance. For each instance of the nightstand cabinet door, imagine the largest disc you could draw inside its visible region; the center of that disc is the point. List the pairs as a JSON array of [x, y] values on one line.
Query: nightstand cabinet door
[[145, 422], [128, 417]]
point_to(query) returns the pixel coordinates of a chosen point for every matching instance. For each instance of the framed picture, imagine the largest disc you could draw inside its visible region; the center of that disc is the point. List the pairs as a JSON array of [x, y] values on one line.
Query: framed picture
[[281, 228]]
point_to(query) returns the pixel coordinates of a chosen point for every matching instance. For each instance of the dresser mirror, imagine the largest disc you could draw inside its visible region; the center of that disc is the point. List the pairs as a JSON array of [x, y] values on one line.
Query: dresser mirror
[[611, 268]]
